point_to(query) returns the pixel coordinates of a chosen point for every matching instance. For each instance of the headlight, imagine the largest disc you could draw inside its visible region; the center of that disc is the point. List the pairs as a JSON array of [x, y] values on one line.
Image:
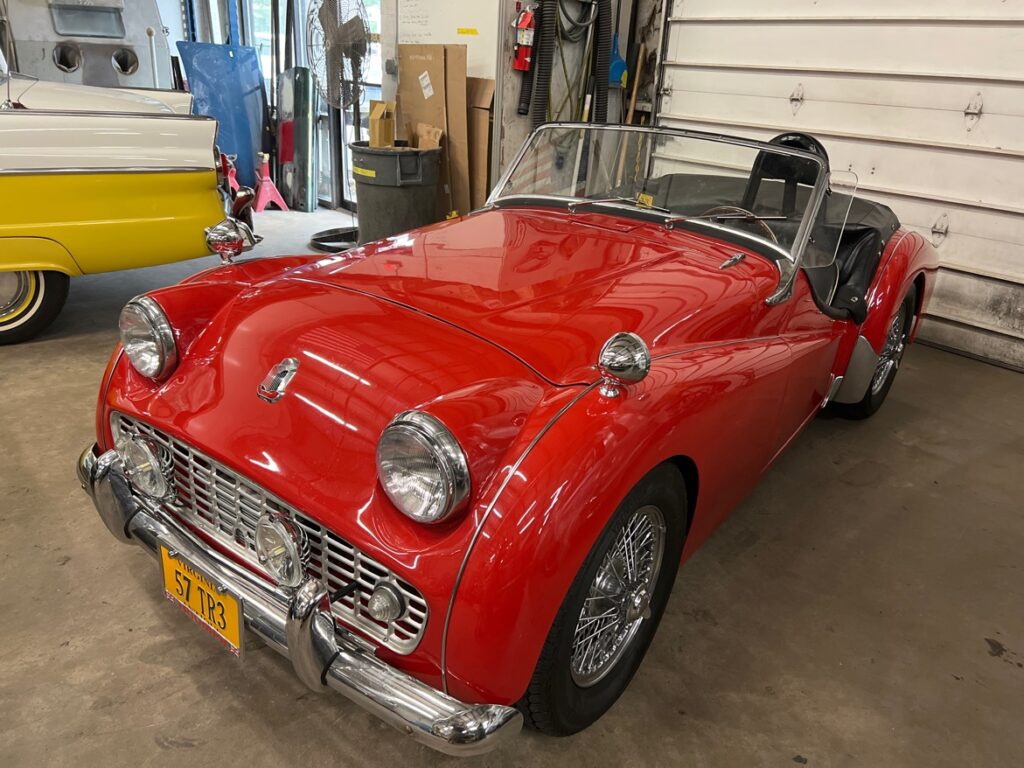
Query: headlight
[[143, 464], [282, 549], [422, 467], [147, 338]]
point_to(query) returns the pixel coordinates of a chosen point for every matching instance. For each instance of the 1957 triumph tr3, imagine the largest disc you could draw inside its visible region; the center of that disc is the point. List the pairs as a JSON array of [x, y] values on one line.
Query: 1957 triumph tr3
[[452, 474]]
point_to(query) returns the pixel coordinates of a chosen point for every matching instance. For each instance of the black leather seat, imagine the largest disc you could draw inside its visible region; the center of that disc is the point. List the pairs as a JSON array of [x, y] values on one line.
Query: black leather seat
[[792, 171]]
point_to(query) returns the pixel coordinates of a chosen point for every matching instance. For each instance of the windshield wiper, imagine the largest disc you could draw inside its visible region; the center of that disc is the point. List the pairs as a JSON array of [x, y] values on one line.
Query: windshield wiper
[[633, 201]]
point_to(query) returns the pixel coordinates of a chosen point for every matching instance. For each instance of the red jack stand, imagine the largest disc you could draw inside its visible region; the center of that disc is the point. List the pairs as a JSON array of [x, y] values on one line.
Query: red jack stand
[[266, 190]]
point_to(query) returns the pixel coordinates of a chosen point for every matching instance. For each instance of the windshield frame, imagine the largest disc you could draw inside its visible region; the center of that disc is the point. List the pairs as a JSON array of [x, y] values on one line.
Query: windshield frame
[[791, 259]]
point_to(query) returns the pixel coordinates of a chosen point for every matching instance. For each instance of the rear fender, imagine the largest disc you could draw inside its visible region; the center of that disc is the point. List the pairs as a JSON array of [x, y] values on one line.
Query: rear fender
[[909, 259], [36, 253]]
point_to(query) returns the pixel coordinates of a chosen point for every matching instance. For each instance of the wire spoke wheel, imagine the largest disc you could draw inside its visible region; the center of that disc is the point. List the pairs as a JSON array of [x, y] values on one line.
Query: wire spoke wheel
[[892, 351], [618, 601]]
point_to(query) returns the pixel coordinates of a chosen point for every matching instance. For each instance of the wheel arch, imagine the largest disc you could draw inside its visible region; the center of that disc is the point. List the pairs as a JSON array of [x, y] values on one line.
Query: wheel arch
[[691, 478], [29, 254]]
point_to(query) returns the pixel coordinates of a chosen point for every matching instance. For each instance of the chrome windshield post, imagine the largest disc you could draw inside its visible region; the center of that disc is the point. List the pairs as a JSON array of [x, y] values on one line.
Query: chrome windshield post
[[788, 268]]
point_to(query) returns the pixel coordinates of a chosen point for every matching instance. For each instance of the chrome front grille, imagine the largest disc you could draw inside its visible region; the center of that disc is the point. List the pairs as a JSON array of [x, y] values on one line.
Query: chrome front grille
[[226, 506]]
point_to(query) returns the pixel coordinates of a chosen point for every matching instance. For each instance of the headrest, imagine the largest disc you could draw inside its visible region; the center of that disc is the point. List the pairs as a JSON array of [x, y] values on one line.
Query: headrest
[[772, 166]]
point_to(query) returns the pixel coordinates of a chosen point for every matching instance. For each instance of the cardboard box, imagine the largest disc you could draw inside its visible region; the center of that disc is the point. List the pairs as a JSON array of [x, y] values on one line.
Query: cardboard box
[[382, 123], [480, 98], [427, 136], [432, 90]]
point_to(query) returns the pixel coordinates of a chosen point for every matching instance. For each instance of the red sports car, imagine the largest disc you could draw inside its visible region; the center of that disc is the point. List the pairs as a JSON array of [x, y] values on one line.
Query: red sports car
[[452, 474]]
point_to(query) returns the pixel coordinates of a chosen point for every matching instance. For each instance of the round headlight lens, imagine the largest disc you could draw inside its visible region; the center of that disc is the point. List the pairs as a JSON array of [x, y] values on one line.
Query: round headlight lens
[[147, 338], [422, 467], [279, 548], [143, 467]]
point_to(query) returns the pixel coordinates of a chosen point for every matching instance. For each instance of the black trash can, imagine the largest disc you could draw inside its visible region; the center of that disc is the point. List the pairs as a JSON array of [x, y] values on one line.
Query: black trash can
[[396, 188]]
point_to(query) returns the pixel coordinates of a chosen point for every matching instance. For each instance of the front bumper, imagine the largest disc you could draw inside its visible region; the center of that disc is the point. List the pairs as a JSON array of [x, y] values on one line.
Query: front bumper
[[298, 624]]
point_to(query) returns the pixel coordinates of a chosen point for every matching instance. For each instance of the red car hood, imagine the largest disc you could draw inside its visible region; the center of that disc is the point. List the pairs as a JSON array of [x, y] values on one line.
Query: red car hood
[[550, 288]]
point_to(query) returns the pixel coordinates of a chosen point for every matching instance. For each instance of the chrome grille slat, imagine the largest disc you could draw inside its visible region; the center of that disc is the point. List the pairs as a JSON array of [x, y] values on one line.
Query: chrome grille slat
[[226, 506]]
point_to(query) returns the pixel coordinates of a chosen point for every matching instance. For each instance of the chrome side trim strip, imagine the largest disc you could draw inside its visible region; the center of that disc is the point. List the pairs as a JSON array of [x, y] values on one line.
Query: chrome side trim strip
[[487, 513], [148, 115], [102, 171]]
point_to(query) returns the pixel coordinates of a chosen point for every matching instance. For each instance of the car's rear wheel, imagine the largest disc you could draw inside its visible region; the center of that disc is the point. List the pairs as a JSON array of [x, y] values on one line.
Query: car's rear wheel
[[29, 302], [895, 344], [612, 609]]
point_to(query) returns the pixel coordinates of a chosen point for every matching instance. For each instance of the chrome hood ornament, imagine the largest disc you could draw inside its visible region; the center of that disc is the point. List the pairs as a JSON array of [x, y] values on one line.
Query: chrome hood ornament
[[274, 385]]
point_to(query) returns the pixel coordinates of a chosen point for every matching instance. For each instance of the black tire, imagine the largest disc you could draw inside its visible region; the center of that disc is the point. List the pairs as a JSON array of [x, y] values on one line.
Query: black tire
[[29, 302], [554, 702], [892, 352]]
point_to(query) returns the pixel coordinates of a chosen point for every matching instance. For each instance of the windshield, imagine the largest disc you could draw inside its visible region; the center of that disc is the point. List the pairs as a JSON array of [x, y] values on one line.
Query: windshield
[[747, 189]]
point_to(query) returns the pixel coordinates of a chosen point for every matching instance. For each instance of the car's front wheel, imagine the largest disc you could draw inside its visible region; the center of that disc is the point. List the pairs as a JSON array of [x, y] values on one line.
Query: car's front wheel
[[29, 302], [612, 609]]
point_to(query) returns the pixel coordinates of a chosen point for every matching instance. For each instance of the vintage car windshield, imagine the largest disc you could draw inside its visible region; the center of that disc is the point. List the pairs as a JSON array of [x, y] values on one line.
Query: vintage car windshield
[[752, 190]]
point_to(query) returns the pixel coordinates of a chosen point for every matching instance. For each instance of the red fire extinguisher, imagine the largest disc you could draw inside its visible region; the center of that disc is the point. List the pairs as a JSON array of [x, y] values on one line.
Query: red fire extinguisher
[[525, 26], [522, 54]]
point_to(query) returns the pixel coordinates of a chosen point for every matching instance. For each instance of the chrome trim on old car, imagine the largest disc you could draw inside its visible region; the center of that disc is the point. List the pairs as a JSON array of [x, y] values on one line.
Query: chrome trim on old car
[[227, 507], [624, 359], [299, 625], [452, 462], [273, 387]]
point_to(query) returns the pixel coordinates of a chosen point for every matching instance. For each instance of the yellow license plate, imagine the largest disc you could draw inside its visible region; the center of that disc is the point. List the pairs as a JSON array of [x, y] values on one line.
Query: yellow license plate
[[216, 611]]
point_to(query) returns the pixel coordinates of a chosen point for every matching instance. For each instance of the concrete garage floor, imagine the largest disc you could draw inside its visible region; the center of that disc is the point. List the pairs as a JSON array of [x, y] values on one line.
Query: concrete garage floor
[[863, 607]]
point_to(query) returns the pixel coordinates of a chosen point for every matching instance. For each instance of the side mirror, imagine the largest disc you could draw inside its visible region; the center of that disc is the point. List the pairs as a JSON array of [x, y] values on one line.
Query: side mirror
[[624, 359]]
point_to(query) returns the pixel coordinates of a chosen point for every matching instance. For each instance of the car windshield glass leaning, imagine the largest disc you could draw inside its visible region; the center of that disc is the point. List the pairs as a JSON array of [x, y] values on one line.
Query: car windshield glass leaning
[[755, 190]]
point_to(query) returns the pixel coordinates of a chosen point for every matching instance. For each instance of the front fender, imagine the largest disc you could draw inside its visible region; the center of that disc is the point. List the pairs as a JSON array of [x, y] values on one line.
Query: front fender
[[716, 407]]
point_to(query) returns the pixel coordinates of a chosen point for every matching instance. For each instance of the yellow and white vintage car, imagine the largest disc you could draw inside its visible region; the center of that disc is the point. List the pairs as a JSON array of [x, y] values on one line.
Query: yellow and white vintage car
[[110, 180]]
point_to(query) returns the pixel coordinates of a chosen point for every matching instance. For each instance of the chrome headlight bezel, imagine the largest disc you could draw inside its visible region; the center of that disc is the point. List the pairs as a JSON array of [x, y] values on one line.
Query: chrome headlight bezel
[[160, 342], [436, 442]]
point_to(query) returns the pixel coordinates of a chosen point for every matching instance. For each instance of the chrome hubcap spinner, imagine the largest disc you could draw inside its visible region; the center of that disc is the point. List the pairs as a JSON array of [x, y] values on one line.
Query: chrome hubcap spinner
[[619, 599]]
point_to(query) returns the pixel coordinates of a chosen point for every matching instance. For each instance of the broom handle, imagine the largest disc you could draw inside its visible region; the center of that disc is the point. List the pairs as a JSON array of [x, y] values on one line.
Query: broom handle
[[632, 108]]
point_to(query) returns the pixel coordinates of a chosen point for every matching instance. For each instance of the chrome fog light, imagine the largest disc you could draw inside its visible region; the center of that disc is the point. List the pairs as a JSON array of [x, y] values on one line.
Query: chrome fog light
[[141, 459], [280, 549], [386, 603]]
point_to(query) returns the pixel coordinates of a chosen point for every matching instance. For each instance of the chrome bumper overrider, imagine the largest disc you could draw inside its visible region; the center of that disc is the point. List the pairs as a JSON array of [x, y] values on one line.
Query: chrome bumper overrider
[[298, 624]]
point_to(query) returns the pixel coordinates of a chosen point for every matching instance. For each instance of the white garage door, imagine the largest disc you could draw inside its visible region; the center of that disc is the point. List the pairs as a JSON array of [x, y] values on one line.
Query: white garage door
[[922, 99]]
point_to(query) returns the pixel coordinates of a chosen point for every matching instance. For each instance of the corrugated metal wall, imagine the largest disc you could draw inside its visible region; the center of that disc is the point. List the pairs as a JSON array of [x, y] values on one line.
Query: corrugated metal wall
[[922, 99]]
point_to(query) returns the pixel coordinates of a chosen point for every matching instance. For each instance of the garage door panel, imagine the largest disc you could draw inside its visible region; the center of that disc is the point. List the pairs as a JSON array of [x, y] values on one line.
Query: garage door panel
[[918, 171], [815, 10], [854, 89], [906, 125], [1005, 350], [924, 101], [899, 47], [983, 303]]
